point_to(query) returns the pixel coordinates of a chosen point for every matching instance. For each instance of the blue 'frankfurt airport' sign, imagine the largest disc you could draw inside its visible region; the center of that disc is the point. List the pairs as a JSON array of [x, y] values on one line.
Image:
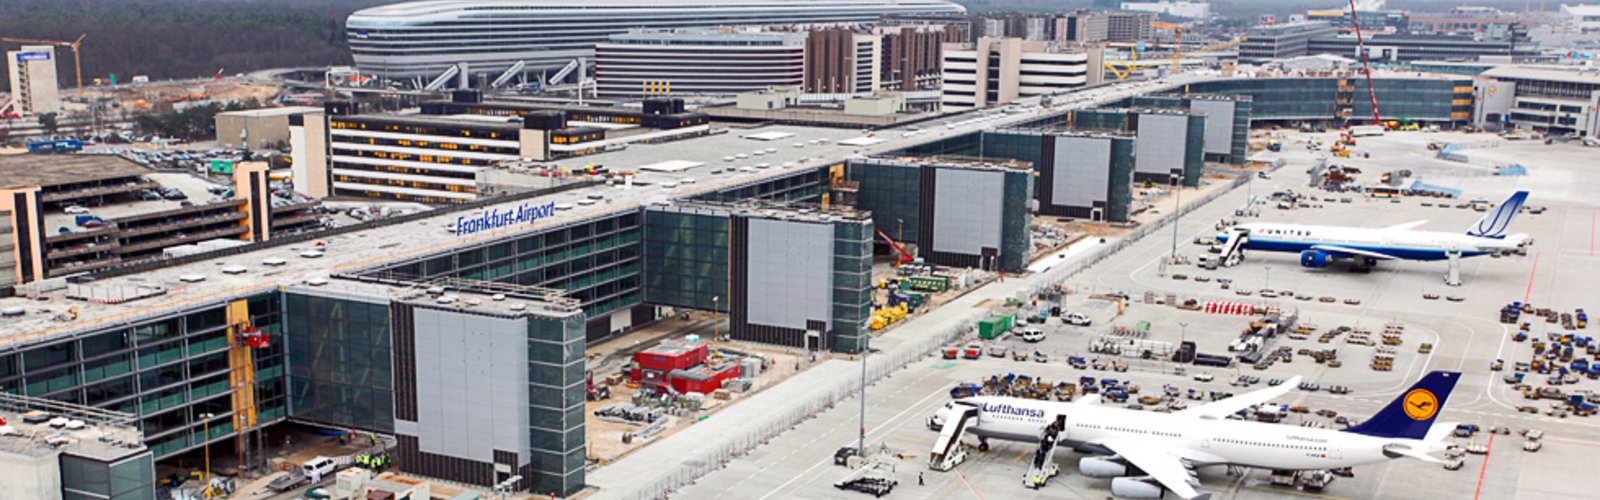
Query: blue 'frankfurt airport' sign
[[527, 213], [33, 56]]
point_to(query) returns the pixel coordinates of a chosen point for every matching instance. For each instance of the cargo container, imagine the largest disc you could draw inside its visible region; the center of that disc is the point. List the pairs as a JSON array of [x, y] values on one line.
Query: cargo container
[[671, 355]]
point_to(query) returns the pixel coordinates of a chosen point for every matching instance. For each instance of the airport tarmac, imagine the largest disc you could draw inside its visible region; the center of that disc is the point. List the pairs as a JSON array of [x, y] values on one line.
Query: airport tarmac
[[1558, 271]]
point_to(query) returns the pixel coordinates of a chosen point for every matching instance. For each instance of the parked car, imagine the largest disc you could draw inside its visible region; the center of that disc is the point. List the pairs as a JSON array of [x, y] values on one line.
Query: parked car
[[77, 209], [1031, 335]]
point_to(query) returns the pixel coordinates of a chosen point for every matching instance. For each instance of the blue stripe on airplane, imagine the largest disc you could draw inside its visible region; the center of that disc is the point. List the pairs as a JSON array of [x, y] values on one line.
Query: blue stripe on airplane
[[1396, 252]]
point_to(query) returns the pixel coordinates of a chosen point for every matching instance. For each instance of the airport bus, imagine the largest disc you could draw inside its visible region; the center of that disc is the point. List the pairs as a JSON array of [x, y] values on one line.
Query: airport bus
[[1383, 192]]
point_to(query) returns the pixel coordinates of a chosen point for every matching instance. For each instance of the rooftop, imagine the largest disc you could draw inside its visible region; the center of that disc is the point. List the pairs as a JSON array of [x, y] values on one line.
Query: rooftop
[[1546, 73], [263, 112], [708, 36], [39, 428], [370, 247], [46, 170]]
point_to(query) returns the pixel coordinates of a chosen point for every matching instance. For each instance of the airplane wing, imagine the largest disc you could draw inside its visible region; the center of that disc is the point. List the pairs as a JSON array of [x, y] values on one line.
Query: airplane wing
[[1339, 251], [1221, 408], [1407, 226], [1163, 466]]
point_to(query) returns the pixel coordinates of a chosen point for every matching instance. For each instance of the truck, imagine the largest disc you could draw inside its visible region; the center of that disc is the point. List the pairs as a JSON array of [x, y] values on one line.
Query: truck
[[1366, 131]]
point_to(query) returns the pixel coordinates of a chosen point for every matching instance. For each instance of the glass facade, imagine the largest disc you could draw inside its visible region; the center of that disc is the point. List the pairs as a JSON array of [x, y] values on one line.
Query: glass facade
[[165, 370], [87, 479], [340, 369], [556, 393], [596, 262], [1422, 99], [687, 253], [1015, 237], [852, 285], [892, 194], [807, 185]]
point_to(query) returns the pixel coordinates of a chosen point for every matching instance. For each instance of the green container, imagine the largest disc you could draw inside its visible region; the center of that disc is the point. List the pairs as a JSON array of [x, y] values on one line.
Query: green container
[[991, 328], [935, 284]]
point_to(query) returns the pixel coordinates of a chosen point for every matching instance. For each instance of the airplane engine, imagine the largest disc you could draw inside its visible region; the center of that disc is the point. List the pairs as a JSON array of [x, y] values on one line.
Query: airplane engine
[[1127, 487], [1101, 468], [1315, 258]]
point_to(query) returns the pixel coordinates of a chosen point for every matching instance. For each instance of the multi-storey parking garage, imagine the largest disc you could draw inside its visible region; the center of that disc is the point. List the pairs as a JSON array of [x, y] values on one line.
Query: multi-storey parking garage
[[422, 39]]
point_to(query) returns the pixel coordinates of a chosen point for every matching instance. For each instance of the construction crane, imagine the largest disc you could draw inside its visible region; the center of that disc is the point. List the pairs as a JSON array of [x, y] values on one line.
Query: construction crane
[[1361, 45], [1177, 55], [77, 65]]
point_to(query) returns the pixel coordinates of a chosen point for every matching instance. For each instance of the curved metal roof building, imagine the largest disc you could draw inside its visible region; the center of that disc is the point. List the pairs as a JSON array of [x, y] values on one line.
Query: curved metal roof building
[[424, 38]]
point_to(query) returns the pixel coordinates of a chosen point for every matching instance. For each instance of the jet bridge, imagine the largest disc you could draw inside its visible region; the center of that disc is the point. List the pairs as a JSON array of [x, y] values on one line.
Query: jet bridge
[[948, 451], [1044, 466]]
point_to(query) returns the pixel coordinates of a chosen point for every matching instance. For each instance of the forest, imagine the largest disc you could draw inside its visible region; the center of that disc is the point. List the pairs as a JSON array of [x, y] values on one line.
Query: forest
[[183, 38]]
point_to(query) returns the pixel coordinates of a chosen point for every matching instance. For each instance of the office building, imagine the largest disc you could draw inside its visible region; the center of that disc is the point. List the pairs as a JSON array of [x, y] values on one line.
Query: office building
[[1264, 43], [1404, 48], [700, 62], [1582, 17], [441, 155], [1550, 99], [1372, 22], [1190, 10], [32, 73], [419, 40], [913, 56], [1340, 99], [842, 61], [259, 129], [1125, 26], [994, 71]]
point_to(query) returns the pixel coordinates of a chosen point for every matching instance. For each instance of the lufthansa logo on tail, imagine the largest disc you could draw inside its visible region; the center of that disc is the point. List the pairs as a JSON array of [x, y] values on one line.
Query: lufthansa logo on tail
[[1420, 404]]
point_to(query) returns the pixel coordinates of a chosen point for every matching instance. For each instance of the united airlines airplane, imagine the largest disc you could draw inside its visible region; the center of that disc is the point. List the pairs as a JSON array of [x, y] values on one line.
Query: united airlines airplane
[[1147, 453], [1320, 245]]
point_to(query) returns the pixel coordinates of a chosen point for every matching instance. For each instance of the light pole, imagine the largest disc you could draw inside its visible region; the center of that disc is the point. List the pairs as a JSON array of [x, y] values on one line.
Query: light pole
[[901, 233], [1268, 284], [716, 330], [205, 422], [1177, 209]]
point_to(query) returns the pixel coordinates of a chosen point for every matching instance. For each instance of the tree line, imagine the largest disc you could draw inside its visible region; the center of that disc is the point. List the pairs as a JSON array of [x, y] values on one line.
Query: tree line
[[168, 39]]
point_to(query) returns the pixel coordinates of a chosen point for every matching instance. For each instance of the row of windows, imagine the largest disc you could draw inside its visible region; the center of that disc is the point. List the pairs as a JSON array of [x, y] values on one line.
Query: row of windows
[[454, 188], [1265, 444], [420, 129], [404, 170], [425, 158]]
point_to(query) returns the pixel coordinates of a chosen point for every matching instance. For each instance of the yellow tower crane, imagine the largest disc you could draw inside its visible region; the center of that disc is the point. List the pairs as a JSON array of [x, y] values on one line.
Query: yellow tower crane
[[77, 66]]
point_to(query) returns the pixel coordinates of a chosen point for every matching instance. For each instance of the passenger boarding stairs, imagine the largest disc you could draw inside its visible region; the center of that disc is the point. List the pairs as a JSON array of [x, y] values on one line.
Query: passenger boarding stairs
[[1044, 464], [948, 450], [1233, 249]]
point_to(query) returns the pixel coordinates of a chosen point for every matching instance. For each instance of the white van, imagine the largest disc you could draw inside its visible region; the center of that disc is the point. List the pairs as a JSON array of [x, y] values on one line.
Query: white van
[[1031, 335], [318, 468]]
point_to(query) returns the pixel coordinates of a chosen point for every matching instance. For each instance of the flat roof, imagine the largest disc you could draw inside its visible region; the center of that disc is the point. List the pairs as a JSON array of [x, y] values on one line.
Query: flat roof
[[1546, 73], [263, 112], [48, 170], [403, 242]]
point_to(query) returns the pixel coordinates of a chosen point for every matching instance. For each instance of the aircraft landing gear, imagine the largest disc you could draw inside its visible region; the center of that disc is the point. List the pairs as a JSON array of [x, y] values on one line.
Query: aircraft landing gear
[[983, 444]]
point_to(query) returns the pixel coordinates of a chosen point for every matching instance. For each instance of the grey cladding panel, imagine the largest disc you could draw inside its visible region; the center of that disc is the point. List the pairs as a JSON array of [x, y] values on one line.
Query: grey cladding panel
[[791, 273], [1219, 124], [1083, 171], [472, 384], [1160, 147], [966, 214]]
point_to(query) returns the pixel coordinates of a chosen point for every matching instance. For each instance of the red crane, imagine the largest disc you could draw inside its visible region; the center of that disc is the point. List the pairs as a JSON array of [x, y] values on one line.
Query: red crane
[[904, 255], [1361, 45]]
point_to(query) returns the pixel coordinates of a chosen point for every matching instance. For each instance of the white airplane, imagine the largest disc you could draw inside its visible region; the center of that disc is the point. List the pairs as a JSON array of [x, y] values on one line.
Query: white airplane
[[1147, 453], [1319, 246]]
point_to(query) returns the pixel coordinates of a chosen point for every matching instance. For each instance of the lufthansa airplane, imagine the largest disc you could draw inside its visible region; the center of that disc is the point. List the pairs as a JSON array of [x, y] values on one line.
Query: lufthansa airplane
[[1320, 245], [1146, 452]]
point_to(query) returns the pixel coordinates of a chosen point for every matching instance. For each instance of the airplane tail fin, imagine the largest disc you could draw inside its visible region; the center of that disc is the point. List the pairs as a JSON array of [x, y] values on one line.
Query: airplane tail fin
[[1497, 221], [1412, 414]]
